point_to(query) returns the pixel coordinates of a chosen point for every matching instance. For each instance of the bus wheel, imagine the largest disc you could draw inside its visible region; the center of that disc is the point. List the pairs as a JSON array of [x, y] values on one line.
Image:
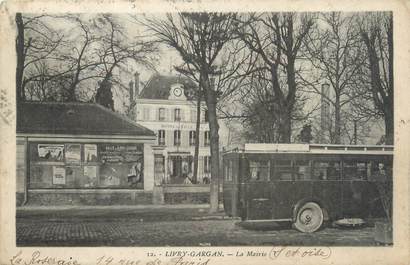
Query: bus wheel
[[309, 218]]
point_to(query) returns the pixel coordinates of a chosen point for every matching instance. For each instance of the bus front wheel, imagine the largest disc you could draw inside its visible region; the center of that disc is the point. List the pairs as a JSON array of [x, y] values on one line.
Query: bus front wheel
[[309, 217]]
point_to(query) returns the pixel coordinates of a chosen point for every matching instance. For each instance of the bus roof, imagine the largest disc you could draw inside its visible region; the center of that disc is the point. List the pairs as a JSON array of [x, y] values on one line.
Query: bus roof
[[261, 148]]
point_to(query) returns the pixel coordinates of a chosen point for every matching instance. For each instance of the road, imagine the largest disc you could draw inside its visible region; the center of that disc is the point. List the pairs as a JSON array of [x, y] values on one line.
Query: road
[[168, 227]]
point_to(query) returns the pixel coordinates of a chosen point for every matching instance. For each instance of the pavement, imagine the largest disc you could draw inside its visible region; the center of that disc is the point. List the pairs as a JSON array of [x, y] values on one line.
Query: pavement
[[165, 225]]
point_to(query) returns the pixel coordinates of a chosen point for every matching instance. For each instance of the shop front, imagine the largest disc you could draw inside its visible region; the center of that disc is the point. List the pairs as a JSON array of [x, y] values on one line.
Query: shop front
[[84, 168]]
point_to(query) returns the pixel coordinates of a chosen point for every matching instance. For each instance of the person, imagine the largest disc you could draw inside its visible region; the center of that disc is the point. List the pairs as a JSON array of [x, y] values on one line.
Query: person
[[205, 180], [187, 180], [134, 175]]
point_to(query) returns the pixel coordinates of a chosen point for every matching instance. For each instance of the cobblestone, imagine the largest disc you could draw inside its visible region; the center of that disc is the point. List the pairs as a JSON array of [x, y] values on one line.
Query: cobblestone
[[133, 232]]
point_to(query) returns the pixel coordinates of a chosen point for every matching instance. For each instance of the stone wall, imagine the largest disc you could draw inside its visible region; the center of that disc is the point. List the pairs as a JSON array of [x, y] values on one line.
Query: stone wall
[[74, 197]]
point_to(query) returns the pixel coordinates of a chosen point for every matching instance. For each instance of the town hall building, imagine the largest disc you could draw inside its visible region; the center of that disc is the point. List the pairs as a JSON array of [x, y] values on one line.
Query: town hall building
[[166, 106]]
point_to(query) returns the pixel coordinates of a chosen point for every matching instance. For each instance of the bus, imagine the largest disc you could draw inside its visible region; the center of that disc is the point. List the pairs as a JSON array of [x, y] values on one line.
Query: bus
[[306, 184]]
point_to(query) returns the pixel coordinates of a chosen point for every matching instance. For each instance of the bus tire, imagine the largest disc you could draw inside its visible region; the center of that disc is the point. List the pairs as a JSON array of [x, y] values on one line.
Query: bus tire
[[309, 218]]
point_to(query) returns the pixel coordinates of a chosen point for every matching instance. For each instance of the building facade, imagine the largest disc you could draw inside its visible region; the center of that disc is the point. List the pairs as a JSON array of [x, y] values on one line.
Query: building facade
[[166, 105]]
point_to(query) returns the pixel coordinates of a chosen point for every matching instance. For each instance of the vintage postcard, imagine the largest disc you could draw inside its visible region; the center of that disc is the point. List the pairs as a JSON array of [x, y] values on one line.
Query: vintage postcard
[[204, 132]]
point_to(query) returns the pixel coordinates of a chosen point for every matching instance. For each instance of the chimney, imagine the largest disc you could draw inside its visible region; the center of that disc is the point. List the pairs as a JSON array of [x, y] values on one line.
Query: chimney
[[137, 84], [324, 109]]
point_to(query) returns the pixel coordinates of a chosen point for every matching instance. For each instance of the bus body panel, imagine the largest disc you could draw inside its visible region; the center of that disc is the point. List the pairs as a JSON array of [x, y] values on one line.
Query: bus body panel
[[340, 195]]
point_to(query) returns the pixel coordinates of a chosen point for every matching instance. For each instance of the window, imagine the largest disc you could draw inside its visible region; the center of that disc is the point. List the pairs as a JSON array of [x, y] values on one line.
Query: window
[[206, 117], [229, 170], [207, 164], [283, 169], [177, 137], [206, 138], [161, 114], [192, 137], [146, 114], [326, 170], [302, 170], [259, 170], [161, 137], [356, 170], [380, 171], [193, 115], [177, 114]]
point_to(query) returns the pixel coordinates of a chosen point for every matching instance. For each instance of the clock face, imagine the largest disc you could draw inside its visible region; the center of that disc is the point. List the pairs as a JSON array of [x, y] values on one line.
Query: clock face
[[177, 92]]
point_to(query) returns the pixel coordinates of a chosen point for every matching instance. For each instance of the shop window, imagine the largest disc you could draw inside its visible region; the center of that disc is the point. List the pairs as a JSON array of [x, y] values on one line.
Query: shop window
[[259, 170], [302, 170], [177, 114], [283, 169], [161, 114], [326, 170], [192, 137], [206, 138], [177, 137], [75, 165], [161, 137]]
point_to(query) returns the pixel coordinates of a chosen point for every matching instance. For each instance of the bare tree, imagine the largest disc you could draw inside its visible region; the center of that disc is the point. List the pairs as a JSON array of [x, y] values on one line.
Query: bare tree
[[199, 38], [277, 39], [36, 42], [116, 50], [335, 52], [377, 34]]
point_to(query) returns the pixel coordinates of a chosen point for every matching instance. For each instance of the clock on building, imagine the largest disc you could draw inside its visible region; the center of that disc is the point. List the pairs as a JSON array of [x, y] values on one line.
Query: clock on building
[[177, 91]]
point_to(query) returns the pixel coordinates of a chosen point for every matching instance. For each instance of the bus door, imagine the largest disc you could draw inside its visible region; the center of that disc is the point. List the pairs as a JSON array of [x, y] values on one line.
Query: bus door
[[258, 189], [230, 188], [355, 185], [327, 184]]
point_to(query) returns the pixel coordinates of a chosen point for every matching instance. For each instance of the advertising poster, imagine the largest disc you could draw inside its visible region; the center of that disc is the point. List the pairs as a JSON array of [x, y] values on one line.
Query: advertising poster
[[90, 153], [73, 153], [52, 152], [90, 173], [58, 175], [114, 153]]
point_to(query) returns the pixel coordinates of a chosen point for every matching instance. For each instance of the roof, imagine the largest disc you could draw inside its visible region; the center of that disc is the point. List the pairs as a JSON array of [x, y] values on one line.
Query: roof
[[158, 87], [269, 148], [74, 118]]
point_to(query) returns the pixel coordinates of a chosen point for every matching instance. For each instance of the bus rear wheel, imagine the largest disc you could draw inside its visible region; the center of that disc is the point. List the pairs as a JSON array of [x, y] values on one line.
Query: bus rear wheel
[[309, 218]]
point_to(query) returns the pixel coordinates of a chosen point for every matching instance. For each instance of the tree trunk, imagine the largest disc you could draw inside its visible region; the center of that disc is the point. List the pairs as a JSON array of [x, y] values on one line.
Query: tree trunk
[[389, 123], [336, 138], [211, 100], [285, 126], [20, 58], [197, 129]]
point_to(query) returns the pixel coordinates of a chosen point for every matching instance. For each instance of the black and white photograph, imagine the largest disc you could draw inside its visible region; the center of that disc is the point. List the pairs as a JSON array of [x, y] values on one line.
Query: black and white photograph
[[205, 129]]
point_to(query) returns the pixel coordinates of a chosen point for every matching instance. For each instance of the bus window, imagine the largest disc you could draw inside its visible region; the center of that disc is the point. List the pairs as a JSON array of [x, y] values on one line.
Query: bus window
[[326, 170], [283, 169], [302, 170], [380, 171], [259, 170], [355, 170]]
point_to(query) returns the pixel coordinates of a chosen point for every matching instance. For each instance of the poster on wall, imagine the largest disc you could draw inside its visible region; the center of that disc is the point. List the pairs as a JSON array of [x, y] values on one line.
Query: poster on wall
[[90, 153], [90, 173], [58, 175], [114, 153], [52, 152], [73, 153]]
